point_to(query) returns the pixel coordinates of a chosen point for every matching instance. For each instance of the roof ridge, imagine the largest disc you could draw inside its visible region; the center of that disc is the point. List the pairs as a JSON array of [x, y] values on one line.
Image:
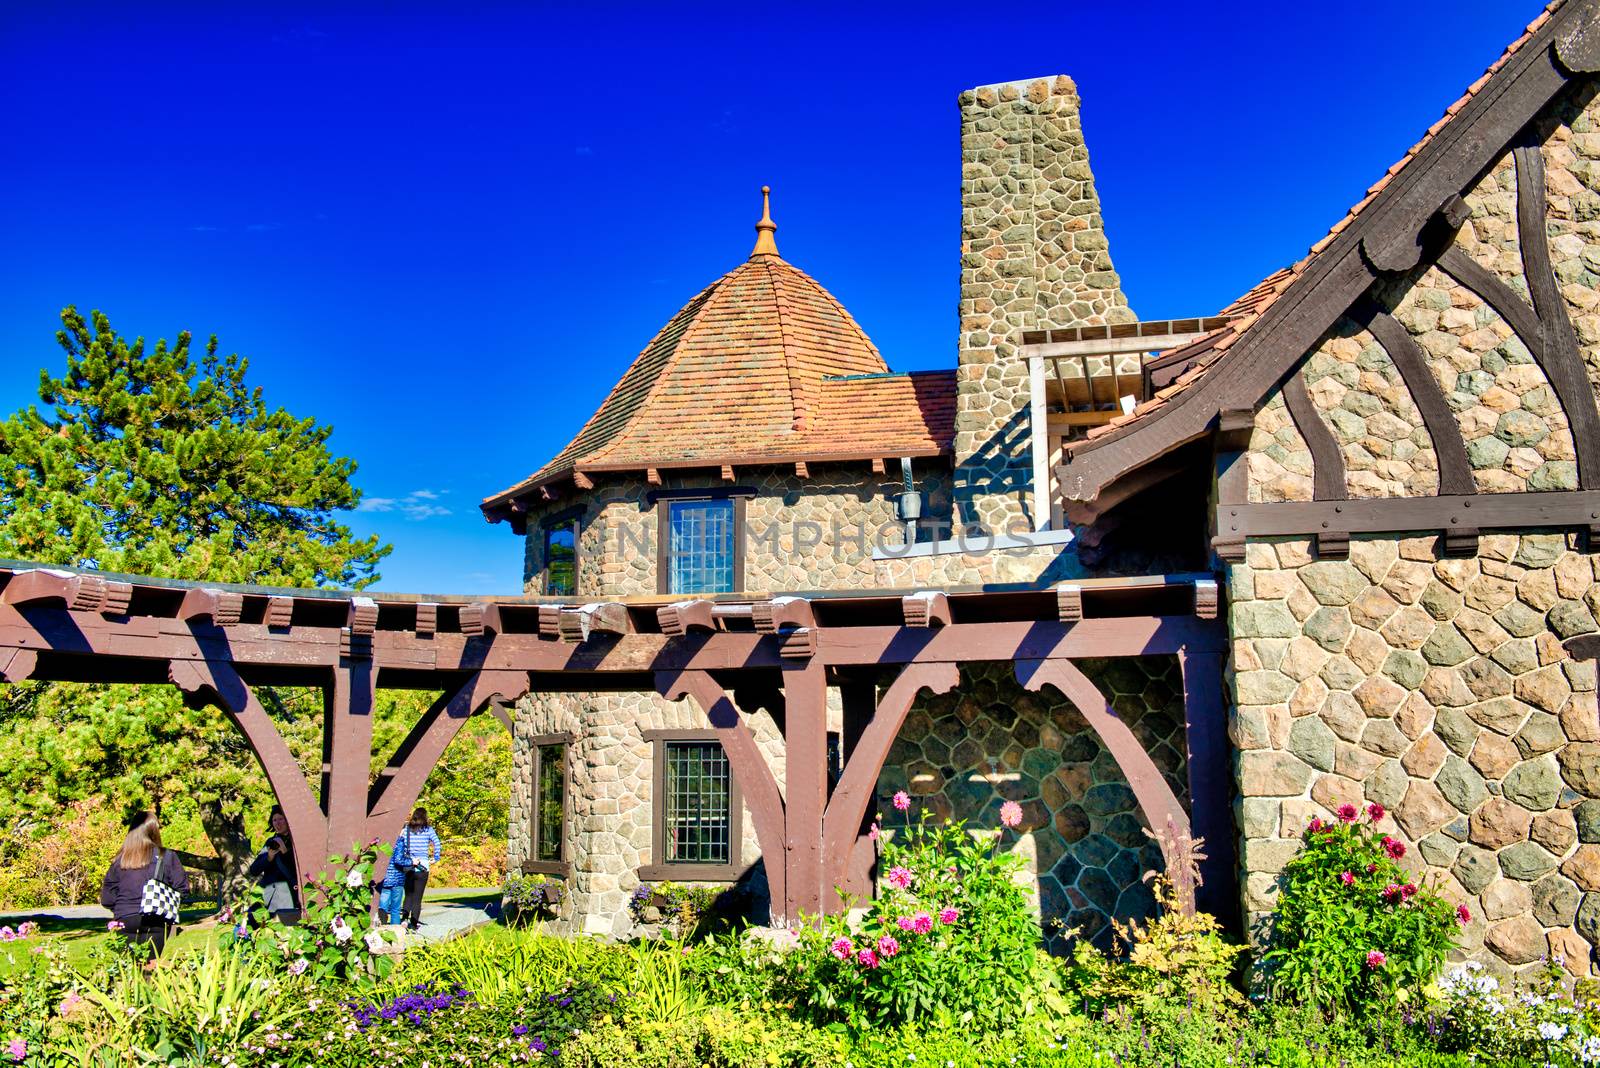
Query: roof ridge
[[799, 416]]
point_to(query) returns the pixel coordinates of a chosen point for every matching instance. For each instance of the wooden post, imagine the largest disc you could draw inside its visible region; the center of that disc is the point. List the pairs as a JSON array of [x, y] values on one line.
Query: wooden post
[[1211, 782], [805, 692], [347, 752]]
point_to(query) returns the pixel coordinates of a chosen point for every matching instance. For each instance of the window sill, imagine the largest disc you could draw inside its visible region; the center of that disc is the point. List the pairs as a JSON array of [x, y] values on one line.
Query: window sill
[[690, 873], [547, 867]]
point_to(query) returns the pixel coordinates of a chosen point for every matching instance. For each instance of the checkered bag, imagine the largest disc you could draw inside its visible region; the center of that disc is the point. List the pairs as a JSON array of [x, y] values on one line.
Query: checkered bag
[[160, 898]]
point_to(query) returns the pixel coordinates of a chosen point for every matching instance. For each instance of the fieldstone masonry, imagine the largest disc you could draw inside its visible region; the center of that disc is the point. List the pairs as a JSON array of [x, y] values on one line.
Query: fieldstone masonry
[[1439, 688], [1033, 255]]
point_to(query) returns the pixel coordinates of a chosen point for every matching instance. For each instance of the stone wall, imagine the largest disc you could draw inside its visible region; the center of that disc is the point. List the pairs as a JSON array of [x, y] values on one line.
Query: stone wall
[[1033, 254], [1439, 688]]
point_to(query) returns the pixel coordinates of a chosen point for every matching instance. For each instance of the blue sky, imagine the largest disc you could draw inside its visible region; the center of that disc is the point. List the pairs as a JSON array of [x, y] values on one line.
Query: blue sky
[[447, 229]]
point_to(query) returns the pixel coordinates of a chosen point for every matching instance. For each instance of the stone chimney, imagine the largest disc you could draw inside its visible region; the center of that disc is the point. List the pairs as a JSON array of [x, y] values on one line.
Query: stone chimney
[[1033, 256]]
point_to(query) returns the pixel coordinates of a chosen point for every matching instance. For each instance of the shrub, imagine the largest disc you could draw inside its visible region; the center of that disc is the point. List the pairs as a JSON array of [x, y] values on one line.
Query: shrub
[[682, 909], [525, 898], [1541, 1021], [1351, 928], [335, 936], [950, 937]]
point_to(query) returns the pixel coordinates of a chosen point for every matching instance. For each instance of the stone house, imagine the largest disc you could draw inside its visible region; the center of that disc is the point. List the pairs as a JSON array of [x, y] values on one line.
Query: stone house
[[1385, 457]]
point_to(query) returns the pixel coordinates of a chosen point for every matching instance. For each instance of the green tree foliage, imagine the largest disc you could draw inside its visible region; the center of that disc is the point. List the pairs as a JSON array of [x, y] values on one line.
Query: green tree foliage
[[153, 460]]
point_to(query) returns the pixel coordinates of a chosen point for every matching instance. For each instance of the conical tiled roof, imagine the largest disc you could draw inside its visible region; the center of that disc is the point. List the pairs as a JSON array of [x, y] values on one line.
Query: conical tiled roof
[[763, 365]]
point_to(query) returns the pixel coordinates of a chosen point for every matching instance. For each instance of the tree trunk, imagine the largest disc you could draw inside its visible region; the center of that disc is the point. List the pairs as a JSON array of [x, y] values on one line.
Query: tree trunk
[[232, 845]]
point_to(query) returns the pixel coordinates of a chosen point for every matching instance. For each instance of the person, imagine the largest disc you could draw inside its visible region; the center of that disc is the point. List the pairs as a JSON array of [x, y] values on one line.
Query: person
[[393, 886], [141, 859], [422, 852], [273, 868]]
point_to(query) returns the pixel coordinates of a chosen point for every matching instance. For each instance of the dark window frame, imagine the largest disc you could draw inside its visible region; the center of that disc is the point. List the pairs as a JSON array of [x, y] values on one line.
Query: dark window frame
[[567, 518], [533, 865], [679, 871], [664, 499]]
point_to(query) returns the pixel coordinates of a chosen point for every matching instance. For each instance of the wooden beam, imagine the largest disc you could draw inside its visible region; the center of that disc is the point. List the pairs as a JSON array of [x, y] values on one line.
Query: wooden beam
[[1483, 511], [363, 615], [805, 760], [798, 643], [427, 618], [480, 618], [1209, 763], [579, 624], [1069, 602], [78, 592]]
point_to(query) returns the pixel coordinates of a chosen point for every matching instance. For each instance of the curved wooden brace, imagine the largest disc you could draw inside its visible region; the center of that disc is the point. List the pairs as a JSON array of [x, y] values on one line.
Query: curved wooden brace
[[395, 794], [16, 665], [1327, 459], [756, 781], [841, 822], [1455, 471], [217, 684], [1156, 800]]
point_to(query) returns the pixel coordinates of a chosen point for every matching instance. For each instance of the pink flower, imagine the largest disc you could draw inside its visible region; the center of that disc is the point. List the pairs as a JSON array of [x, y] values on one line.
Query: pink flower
[[842, 948], [1409, 890], [1347, 813], [900, 878], [68, 1003], [872, 835], [948, 915], [1375, 959], [1394, 847], [18, 1050], [113, 925], [8, 935], [888, 946], [902, 800], [1391, 893], [298, 965], [27, 929], [1375, 811], [1010, 813], [922, 923], [905, 923], [1346, 878], [1463, 914], [1371, 868], [867, 958], [1315, 825]]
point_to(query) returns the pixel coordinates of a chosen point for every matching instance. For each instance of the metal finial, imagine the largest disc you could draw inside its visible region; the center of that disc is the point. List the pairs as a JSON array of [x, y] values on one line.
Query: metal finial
[[765, 245]]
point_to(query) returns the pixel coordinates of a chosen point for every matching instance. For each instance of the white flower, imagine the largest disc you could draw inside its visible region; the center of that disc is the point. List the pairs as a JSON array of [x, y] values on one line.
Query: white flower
[[341, 930], [355, 878], [374, 942], [1552, 1032]]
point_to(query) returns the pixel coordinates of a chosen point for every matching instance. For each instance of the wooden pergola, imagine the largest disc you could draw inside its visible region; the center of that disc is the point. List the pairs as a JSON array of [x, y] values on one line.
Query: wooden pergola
[[216, 644]]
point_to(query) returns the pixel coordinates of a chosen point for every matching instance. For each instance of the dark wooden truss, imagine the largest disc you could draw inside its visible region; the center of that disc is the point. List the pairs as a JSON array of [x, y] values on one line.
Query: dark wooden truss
[[728, 656], [1409, 223]]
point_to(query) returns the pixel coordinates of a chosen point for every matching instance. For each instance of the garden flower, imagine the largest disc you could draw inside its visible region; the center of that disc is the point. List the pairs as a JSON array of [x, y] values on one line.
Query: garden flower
[[902, 800], [18, 1049], [1010, 813], [520, 1030], [113, 925], [298, 965], [1394, 847], [922, 923], [900, 878], [1408, 890], [1375, 811], [27, 929], [1463, 914], [341, 930], [7, 934], [867, 958], [1552, 1032], [905, 923], [354, 879], [842, 948], [1346, 878], [1375, 959], [948, 915], [374, 942], [872, 835], [1391, 893], [1347, 813], [1315, 825], [888, 946], [68, 1003], [1371, 868]]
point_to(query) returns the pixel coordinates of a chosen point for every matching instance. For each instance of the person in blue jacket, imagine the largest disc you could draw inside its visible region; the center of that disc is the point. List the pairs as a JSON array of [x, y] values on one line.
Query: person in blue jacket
[[422, 853], [393, 887]]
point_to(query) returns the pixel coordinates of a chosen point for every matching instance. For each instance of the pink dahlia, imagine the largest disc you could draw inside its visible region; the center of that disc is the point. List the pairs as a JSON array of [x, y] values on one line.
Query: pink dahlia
[[1408, 891], [867, 958], [1375, 959], [8, 935], [1347, 813], [1315, 825], [1010, 813], [905, 923], [1391, 893], [1376, 811], [1394, 847], [1346, 878], [842, 948], [18, 1050], [872, 835], [922, 923], [902, 800], [900, 878], [1371, 868], [888, 946], [948, 915], [1463, 914]]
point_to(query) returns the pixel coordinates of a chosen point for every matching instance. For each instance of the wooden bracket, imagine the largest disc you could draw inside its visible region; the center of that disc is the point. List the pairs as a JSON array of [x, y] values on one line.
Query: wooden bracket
[[550, 620], [1069, 603], [363, 615], [582, 481], [652, 476], [877, 465], [220, 607], [727, 472], [1205, 598], [16, 665], [478, 619], [800, 643], [280, 611], [801, 470], [771, 616], [354, 646], [1333, 544], [1455, 211], [1461, 541], [927, 608], [78, 593], [1234, 427], [585, 621], [427, 618], [680, 617]]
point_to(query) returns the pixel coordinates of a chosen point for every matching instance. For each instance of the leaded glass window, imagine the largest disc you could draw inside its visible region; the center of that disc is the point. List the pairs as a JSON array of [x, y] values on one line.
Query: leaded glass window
[[550, 802], [561, 559], [698, 824], [701, 549]]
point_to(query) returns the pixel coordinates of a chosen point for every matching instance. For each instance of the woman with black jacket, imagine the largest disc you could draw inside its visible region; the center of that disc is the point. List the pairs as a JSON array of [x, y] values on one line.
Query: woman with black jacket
[[273, 868], [122, 891]]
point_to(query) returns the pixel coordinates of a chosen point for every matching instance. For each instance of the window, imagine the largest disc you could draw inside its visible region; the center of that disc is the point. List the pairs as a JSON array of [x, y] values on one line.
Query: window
[[561, 554], [701, 546], [697, 829], [548, 852]]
